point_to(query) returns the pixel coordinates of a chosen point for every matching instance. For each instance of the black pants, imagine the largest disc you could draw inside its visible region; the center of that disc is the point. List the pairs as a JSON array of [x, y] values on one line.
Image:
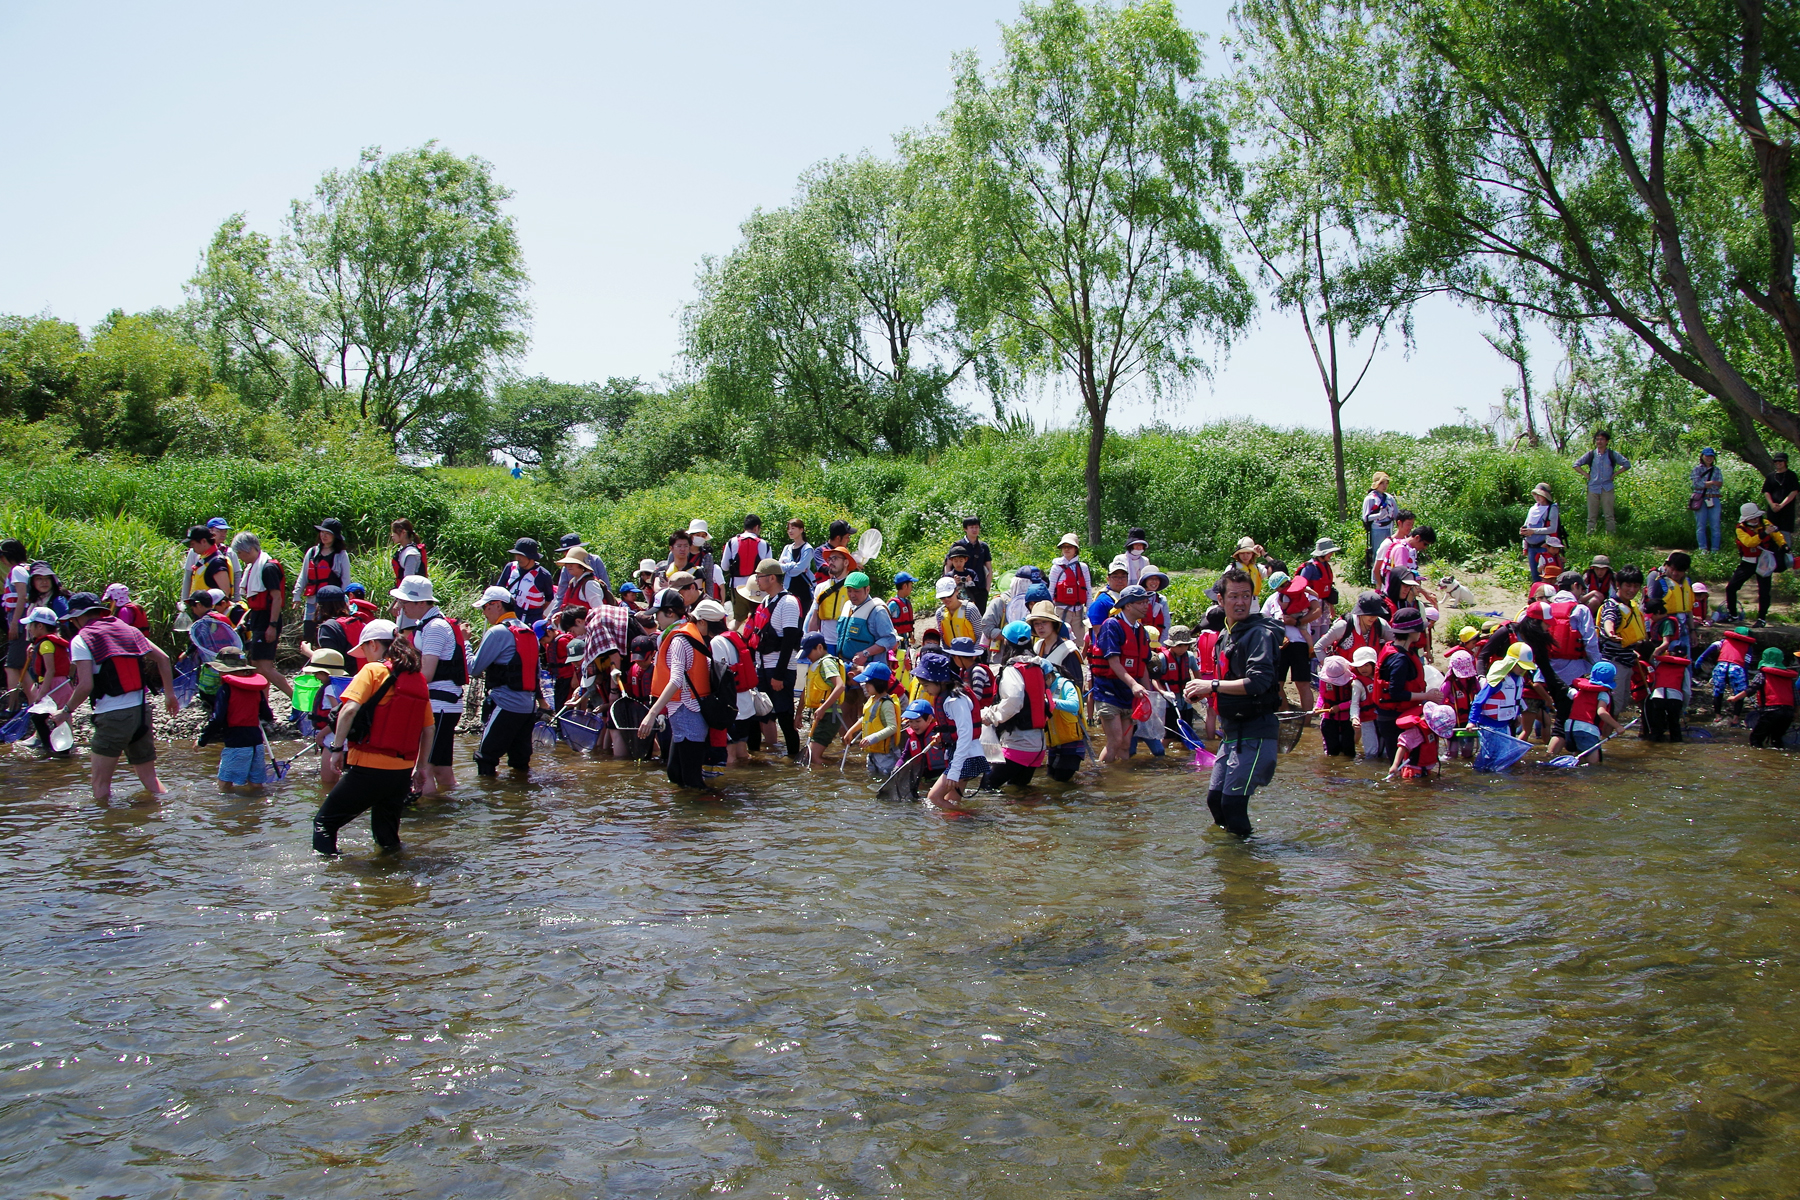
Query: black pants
[[507, 733], [1772, 726], [784, 705], [687, 762], [1387, 735], [374, 790], [1001, 774], [1746, 571], [1230, 813], [1340, 737], [1662, 719], [1062, 767]]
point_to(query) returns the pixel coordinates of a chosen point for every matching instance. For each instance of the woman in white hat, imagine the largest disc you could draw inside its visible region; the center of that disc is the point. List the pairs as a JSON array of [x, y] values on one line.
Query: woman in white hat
[[1762, 551], [1071, 585], [1542, 522]]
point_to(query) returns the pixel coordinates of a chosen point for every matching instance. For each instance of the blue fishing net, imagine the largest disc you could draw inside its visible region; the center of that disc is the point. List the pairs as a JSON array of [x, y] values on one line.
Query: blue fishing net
[[581, 730], [1499, 751]]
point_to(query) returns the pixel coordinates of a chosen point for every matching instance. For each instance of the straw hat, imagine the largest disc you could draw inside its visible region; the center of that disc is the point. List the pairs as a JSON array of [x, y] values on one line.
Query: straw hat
[[1044, 610], [575, 557]]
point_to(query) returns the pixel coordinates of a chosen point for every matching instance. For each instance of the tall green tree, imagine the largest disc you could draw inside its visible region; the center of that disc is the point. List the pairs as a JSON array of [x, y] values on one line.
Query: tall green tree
[[1083, 173], [1625, 161], [831, 326], [1327, 253], [398, 288]]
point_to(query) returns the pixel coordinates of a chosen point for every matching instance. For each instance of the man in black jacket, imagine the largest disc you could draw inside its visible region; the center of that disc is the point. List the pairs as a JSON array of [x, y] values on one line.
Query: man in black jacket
[[1249, 694]]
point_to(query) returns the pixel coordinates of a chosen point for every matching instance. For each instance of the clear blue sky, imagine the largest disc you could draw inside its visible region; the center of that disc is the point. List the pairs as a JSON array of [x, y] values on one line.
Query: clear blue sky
[[635, 138]]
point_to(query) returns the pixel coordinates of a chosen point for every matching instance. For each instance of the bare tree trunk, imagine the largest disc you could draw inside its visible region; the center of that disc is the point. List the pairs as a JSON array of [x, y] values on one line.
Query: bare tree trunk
[[1337, 451], [1096, 443]]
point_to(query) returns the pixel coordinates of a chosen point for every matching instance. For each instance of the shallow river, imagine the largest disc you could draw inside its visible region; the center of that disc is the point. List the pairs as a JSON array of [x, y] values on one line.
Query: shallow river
[[1549, 985]]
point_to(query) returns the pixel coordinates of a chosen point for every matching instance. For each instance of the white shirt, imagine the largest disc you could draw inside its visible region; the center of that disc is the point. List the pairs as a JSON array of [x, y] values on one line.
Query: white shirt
[[438, 640], [18, 584], [731, 556], [79, 651], [783, 615]]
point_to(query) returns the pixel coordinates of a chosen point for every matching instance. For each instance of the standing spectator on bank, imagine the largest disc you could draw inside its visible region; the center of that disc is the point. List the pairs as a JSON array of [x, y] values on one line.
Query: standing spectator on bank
[[1379, 510], [1600, 466], [981, 563], [1542, 521], [1708, 482], [1781, 493]]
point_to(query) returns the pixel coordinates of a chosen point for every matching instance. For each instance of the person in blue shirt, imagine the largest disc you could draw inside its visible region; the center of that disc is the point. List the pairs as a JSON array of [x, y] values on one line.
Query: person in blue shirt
[[1118, 575], [507, 661]]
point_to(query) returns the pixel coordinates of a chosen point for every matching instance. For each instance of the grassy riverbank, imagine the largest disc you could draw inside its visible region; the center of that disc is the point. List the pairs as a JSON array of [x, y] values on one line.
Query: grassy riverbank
[[1195, 492]]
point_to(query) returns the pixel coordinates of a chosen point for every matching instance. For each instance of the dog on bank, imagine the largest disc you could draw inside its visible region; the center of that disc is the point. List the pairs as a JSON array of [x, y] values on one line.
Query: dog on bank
[[1456, 593]]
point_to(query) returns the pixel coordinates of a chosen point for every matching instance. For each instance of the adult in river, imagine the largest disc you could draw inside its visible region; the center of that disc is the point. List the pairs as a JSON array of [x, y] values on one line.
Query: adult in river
[[1248, 695], [115, 664], [384, 728]]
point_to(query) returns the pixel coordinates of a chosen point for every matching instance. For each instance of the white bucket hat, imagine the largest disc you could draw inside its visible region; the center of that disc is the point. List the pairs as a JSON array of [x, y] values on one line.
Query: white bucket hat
[[1749, 511], [415, 589], [711, 610], [647, 564], [698, 526], [1069, 539], [378, 631]]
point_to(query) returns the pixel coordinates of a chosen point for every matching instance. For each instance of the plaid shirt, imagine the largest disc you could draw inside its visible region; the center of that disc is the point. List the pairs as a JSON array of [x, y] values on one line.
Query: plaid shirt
[[608, 628]]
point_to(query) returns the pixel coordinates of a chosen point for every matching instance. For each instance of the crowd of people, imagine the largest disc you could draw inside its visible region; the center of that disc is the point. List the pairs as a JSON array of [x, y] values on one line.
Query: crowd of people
[[716, 652]]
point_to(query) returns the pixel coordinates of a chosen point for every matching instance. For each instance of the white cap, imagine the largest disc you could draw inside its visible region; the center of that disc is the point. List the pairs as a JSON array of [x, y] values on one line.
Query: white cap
[[495, 595], [711, 610], [698, 526], [1119, 564], [414, 588], [647, 564], [43, 616], [945, 587], [1069, 539], [378, 631]]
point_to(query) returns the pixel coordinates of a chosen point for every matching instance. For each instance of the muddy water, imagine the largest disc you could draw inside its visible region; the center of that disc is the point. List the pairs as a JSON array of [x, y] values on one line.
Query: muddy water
[[1541, 986]]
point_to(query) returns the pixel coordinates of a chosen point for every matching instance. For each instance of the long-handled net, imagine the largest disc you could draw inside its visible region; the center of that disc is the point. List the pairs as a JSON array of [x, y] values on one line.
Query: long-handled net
[[1289, 727], [581, 730], [1499, 751]]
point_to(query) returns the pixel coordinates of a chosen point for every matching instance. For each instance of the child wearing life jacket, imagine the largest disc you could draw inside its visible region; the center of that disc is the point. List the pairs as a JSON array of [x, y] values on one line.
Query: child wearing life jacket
[[823, 697], [1419, 730], [1549, 561], [562, 654], [900, 608], [979, 681], [318, 703], [1337, 684], [356, 596], [118, 598], [1367, 737], [1774, 691], [1154, 580], [1590, 710], [47, 672], [239, 710], [1667, 699], [920, 721], [1731, 672], [879, 731]]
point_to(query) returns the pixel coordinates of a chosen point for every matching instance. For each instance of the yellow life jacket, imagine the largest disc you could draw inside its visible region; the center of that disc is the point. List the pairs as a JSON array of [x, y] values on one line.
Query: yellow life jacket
[[830, 602], [1630, 629], [952, 625], [817, 686], [198, 583], [874, 717]]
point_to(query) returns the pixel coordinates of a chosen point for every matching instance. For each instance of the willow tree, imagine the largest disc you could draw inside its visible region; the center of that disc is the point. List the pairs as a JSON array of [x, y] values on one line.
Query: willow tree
[[1605, 161], [1083, 174]]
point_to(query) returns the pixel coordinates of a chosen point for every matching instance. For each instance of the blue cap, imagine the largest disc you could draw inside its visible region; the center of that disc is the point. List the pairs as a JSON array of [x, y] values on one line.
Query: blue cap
[[1708, 450], [217, 523], [1132, 595], [1037, 592], [903, 577], [1017, 632], [964, 646], [811, 640], [918, 708], [876, 672], [353, 588], [630, 587], [1604, 674]]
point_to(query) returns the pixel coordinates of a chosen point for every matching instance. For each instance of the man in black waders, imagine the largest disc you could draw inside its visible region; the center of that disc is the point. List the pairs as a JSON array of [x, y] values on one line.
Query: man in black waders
[[1248, 695]]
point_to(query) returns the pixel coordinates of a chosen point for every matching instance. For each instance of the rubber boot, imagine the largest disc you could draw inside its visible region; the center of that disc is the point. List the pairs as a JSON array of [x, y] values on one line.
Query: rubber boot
[[1236, 813], [1213, 801], [324, 840]]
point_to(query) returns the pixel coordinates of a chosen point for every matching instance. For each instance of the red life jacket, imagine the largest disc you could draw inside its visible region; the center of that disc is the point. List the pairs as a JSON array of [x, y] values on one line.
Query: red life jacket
[[1323, 583], [1585, 706], [134, 616], [1778, 687], [399, 718], [984, 688], [1426, 754], [521, 673], [556, 655], [1133, 655], [1181, 668], [259, 602], [1035, 714], [244, 696], [352, 627], [1605, 586], [637, 681], [1336, 701], [320, 572], [1381, 684], [901, 610], [1670, 672], [394, 561], [1074, 584], [572, 601], [744, 670], [1206, 652], [747, 556], [362, 609], [1735, 648], [1565, 639], [1462, 695], [1296, 599], [58, 666]]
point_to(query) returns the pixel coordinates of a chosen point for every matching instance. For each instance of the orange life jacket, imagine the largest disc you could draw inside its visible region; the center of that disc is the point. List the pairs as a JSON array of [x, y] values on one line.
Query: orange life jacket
[[699, 672], [398, 719]]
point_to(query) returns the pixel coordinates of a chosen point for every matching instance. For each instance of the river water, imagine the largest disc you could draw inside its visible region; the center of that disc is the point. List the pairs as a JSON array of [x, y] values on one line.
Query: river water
[[1544, 985]]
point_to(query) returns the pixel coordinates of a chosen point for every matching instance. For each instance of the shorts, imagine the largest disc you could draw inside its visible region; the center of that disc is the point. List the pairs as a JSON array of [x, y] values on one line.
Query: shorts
[[1294, 662], [973, 767], [18, 650], [825, 728], [124, 731], [263, 640], [746, 729], [443, 739], [1582, 736], [1106, 708], [1242, 766], [242, 764]]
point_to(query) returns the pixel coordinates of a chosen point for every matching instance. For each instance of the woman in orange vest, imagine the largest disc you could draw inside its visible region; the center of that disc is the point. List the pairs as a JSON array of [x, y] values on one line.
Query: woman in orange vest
[[384, 731], [681, 679]]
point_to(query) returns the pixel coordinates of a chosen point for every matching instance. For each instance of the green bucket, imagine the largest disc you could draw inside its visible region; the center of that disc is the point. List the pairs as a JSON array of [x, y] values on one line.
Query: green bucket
[[306, 691]]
